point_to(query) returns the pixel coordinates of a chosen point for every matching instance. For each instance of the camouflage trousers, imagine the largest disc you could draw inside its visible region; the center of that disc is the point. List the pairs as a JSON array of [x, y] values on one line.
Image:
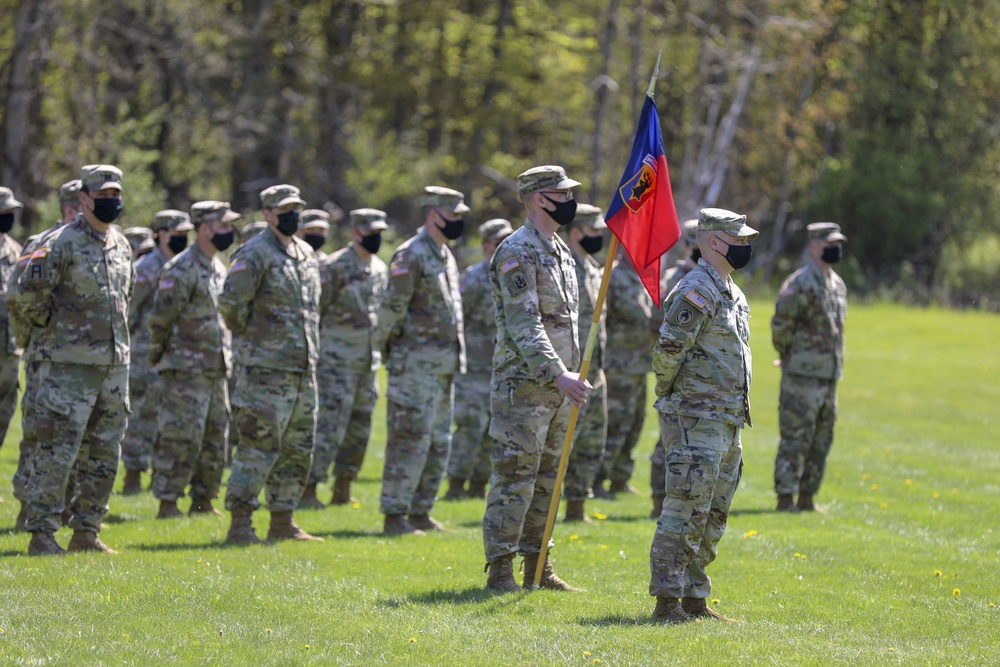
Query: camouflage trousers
[[80, 419], [807, 411], [144, 385], [470, 443], [704, 459], [528, 426], [344, 423], [588, 442], [9, 368], [193, 427], [276, 429], [419, 413], [626, 415]]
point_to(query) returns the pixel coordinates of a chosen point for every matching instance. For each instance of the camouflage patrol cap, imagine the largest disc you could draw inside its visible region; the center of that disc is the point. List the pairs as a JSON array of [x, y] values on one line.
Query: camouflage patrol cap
[[446, 198], [314, 218], [279, 195], [689, 231], [212, 211], [69, 190], [497, 228], [589, 216], [175, 221], [7, 200], [252, 229], [368, 219], [547, 177], [101, 177], [828, 232], [140, 238], [721, 220]]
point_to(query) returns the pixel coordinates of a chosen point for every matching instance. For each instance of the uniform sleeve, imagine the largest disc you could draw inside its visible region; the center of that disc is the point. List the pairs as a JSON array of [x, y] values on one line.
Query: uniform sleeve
[[143, 289], [173, 293], [786, 314], [331, 281], [44, 272], [404, 274], [18, 325], [246, 272], [473, 291], [685, 315]]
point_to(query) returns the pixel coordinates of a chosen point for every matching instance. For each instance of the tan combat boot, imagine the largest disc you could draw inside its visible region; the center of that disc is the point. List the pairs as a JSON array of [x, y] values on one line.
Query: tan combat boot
[[396, 524], [309, 499], [44, 544], [671, 611], [84, 540], [698, 608], [133, 483], [20, 524], [549, 578], [342, 491], [426, 523], [786, 504], [501, 577], [575, 512], [456, 489], [657, 507], [241, 528], [283, 527], [202, 507], [806, 504], [169, 510], [477, 489]]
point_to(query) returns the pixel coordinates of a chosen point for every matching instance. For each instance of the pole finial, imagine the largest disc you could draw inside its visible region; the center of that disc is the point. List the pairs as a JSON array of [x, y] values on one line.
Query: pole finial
[[656, 73]]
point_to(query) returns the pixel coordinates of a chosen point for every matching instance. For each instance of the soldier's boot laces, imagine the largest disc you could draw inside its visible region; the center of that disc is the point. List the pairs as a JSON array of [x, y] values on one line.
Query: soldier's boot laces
[[283, 527], [575, 512], [133, 483], [671, 611], [44, 544], [203, 507], [309, 499], [426, 523], [622, 487], [84, 540], [22, 518], [806, 504], [169, 510], [549, 578], [396, 524], [456, 489], [698, 608], [501, 577], [342, 491], [477, 489], [657, 507], [241, 529], [786, 504]]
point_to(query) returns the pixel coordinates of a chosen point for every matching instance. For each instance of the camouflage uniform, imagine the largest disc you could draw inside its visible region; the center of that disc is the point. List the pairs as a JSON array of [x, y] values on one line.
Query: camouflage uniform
[[271, 304], [703, 366], [349, 355], [76, 287], [10, 253], [191, 349], [421, 318], [316, 222], [808, 332]]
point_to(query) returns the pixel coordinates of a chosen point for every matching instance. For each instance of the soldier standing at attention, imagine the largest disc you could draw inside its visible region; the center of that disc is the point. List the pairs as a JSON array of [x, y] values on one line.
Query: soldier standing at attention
[[470, 446], [10, 254], [684, 266], [141, 240], [170, 229], [76, 288], [535, 297], [354, 280], [191, 349], [270, 302], [315, 230], [421, 324], [585, 238], [702, 364], [808, 332]]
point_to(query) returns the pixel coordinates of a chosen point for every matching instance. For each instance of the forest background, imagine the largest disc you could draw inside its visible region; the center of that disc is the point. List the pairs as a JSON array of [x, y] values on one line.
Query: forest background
[[881, 115]]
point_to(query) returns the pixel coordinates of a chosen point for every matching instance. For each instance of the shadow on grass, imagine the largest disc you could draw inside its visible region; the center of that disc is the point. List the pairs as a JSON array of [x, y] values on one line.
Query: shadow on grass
[[113, 519], [620, 620], [351, 534], [752, 510], [464, 596], [5, 554]]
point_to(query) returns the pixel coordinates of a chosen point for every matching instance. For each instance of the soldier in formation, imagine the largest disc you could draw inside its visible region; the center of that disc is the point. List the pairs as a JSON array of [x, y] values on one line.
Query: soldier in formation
[[10, 253], [315, 230]]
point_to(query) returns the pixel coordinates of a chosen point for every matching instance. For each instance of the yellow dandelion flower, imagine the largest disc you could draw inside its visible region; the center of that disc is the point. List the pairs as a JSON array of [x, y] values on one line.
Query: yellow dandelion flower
[[991, 607], [874, 486], [867, 476], [935, 495], [892, 649], [836, 475], [596, 660], [599, 516], [356, 506], [716, 600], [413, 640], [573, 538], [954, 490], [586, 653], [908, 482], [888, 450], [199, 560], [884, 505], [938, 573], [267, 630], [604, 546], [803, 556], [749, 533], [1, 629], [308, 647], [956, 592], [797, 554]]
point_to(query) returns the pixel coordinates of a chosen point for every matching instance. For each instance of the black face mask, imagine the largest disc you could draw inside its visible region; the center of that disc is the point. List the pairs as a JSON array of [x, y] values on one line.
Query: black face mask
[[107, 209], [832, 254], [6, 222], [564, 213], [696, 255], [222, 240], [738, 256], [592, 244], [371, 243], [288, 222], [177, 244], [453, 228], [315, 241]]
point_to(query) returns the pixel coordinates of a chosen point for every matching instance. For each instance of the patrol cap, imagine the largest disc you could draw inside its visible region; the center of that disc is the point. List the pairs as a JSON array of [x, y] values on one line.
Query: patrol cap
[[689, 231], [101, 177], [497, 228], [828, 232], [69, 190], [212, 211], [175, 221], [252, 229], [589, 216], [280, 195], [140, 238], [721, 220], [368, 219], [547, 177], [314, 218], [7, 200], [439, 197]]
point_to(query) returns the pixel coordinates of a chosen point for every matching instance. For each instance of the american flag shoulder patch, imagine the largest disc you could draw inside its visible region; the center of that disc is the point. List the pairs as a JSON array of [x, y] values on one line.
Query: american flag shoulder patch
[[696, 299], [41, 253], [509, 265], [166, 283], [238, 265], [399, 269]]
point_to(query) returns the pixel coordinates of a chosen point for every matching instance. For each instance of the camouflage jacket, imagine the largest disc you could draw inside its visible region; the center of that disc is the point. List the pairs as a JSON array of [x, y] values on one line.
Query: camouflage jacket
[[702, 360], [186, 331], [478, 316], [351, 295], [630, 337], [20, 328], [421, 315], [808, 324], [536, 299], [76, 286], [270, 302], [588, 280], [673, 275], [147, 270], [10, 254]]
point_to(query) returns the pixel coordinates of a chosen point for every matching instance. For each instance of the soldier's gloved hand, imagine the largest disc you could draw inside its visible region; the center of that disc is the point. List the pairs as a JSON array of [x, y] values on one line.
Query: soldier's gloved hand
[[573, 388]]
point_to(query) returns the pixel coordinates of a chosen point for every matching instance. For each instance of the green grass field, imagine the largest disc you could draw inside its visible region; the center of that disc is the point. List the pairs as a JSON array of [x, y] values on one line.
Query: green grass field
[[903, 569]]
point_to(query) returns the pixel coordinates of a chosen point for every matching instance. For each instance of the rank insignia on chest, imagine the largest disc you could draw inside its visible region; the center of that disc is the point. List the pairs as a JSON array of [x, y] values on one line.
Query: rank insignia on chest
[[399, 269], [237, 266], [697, 299], [166, 283], [509, 265]]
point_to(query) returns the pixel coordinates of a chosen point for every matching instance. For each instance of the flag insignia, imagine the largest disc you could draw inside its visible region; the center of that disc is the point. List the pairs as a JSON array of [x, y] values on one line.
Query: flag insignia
[[238, 266], [509, 265], [696, 299], [639, 189], [41, 253], [166, 283], [399, 269]]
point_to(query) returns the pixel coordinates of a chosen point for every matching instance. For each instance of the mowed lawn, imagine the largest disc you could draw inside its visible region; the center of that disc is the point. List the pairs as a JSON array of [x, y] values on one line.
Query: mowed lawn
[[903, 569]]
